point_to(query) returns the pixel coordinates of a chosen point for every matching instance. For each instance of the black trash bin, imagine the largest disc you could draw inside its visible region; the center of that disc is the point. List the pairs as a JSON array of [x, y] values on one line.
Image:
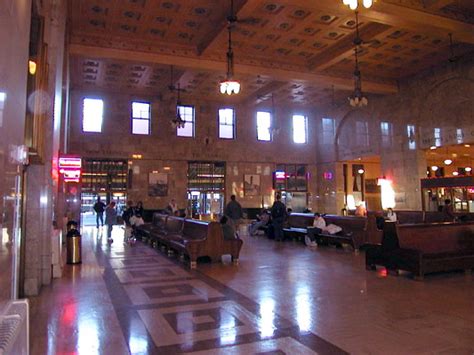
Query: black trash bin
[[73, 244]]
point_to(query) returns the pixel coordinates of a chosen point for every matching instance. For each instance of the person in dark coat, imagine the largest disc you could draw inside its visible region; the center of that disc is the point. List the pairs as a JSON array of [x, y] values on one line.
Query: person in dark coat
[[279, 214], [233, 210]]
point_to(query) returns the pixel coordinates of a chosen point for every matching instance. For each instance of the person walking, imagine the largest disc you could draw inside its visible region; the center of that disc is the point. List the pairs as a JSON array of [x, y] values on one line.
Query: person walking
[[110, 219], [99, 208], [278, 213], [233, 210]]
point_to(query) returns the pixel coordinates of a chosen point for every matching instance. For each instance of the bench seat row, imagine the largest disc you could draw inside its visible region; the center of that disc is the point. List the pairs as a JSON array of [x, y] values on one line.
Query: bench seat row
[[189, 238]]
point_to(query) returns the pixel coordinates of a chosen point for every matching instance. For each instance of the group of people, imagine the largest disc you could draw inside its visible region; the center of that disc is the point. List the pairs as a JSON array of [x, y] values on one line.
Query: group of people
[[275, 217], [132, 217]]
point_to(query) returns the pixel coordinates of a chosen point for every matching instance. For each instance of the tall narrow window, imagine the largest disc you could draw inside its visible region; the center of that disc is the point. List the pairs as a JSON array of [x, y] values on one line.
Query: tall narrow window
[[387, 133], [92, 115], [226, 123], [300, 129], [3, 98], [187, 115], [411, 137], [437, 137], [264, 124], [140, 118], [362, 133], [329, 130]]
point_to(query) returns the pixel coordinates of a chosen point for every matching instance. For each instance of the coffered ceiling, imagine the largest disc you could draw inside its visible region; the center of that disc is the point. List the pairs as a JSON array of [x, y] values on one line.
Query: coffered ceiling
[[301, 51]]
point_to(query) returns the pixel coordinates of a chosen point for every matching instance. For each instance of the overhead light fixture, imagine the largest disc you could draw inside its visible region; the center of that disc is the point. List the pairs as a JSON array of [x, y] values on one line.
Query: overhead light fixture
[[354, 4], [455, 173], [357, 99], [177, 121], [434, 168], [433, 147], [468, 169], [361, 171], [230, 86], [32, 67], [448, 162]]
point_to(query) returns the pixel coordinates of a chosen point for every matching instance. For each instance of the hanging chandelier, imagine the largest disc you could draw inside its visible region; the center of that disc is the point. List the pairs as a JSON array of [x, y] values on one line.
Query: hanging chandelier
[[354, 4], [230, 86], [357, 99], [177, 121]]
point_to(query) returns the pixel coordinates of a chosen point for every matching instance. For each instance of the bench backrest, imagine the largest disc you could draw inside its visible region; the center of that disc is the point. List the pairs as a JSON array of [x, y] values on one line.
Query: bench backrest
[[357, 226], [300, 220], [436, 217], [159, 219], [174, 224], [436, 237], [195, 229], [410, 217]]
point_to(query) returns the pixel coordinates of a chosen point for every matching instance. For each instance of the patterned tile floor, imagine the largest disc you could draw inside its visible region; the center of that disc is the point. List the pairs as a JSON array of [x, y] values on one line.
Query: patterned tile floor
[[282, 299]]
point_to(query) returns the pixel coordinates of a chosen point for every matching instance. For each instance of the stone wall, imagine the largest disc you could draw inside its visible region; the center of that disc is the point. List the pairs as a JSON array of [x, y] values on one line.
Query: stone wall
[[243, 155], [439, 97]]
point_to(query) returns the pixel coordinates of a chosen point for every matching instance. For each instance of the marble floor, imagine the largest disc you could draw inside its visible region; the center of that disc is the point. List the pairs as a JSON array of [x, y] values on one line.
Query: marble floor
[[283, 298]]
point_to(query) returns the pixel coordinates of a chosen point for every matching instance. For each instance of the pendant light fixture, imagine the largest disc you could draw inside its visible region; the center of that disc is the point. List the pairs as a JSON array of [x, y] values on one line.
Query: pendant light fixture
[[230, 86], [354, 4], [357, 99], [177, 121]]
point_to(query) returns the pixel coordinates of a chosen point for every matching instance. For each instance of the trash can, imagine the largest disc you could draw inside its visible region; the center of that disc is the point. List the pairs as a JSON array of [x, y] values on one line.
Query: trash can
[[73, 244]]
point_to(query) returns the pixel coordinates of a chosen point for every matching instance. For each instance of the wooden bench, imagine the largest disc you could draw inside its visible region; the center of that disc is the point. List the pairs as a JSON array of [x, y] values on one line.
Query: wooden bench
[[192, 238], [297, 224], [425, 248], [353, 231]]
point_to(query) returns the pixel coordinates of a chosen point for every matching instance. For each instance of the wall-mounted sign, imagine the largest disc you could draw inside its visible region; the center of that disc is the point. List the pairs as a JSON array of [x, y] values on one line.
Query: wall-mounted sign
[[327, 175], [70, 167]]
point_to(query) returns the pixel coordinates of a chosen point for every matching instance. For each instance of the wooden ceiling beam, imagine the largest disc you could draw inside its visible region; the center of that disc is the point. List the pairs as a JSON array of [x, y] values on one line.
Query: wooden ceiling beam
[[262, 94], [437, 4], [397, 16], [345, 47], [199, 63], [210, 40]]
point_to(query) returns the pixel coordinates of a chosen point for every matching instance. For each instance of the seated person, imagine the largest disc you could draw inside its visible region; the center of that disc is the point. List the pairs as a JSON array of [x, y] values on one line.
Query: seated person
[[361, 211], [391, 216], [319, 225], [227, 229], [262, 220]]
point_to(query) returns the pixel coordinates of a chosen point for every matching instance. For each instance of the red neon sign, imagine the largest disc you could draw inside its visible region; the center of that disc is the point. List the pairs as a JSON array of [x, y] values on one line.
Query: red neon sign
[[70, 167]]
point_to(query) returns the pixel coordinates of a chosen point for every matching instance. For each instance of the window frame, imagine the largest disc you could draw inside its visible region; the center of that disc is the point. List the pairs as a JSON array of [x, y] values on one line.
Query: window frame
[[269, 127], [93, 98], [233, 123], [305, 128], [132, 118], [193, 121]]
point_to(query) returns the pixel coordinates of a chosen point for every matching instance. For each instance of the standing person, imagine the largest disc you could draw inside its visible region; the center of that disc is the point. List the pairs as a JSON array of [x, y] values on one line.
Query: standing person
[[233, 210], [110, 219], [278, 212], [99, 208], [448, 211], [127, 216], [172, 207], [138, 211]]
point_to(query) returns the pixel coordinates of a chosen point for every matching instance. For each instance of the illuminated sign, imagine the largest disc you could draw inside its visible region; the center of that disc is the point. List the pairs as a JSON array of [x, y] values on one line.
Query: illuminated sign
[[70, 167], [279, 175], [327, 175]]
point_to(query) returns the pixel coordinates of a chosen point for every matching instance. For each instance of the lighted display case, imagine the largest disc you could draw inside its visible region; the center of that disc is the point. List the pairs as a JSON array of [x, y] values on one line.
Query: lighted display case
[[460, 190]]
